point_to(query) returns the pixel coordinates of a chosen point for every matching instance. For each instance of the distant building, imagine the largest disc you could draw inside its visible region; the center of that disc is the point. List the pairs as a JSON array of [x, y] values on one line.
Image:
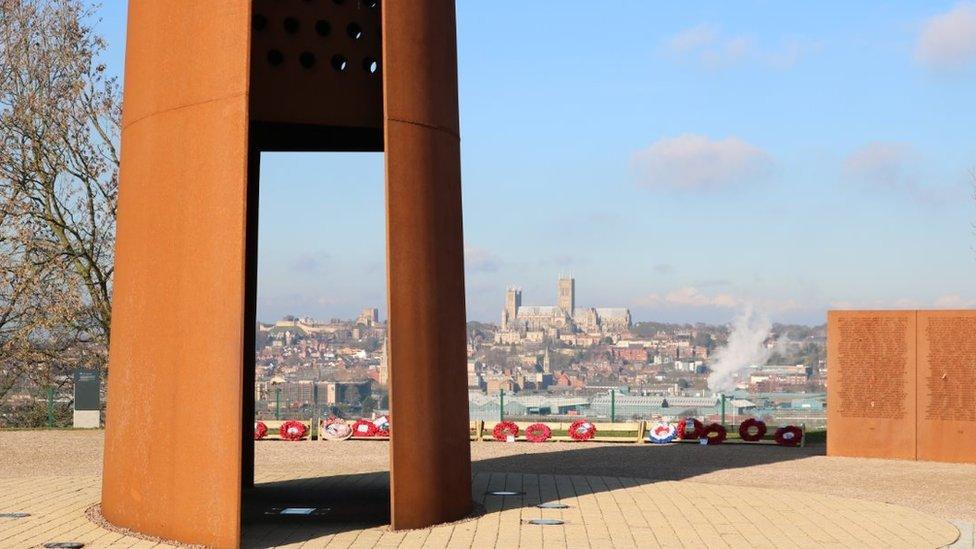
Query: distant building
[[474, 378], [564, 317], [384, 370], [343, 392], [369, 317]]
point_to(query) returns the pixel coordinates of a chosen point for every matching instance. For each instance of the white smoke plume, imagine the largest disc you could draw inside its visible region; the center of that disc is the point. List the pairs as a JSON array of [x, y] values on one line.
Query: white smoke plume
[[744, 348]]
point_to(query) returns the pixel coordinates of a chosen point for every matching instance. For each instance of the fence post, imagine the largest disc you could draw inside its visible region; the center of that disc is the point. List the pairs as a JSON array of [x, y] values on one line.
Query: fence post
[[277, 402], [313, 423], [50, 407], [723, 410], [613, 406], [501, 405]]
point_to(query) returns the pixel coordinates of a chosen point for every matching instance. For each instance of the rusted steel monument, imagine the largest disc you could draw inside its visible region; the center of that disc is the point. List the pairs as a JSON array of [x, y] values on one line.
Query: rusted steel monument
[[208, 87], [902, 385]]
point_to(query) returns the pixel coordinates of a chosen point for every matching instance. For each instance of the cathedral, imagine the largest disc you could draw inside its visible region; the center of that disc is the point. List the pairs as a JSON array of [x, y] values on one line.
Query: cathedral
[[564, 317]]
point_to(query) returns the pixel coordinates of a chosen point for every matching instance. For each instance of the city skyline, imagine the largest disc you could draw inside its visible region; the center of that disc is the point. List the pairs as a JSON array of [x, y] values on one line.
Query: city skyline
[[696, 160]]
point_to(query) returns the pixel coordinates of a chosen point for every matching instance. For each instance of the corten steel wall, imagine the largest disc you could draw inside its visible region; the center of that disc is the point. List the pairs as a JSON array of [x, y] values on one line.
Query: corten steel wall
[[177, 332], [430, 468], [186, 252], [897, 389]]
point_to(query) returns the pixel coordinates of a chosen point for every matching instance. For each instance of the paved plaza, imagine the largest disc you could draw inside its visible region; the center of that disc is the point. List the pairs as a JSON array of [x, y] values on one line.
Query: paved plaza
[[679, 502]]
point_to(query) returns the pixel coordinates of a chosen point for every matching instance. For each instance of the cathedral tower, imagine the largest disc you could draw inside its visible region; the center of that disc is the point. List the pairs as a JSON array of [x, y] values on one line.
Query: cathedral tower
[[567, 295], [513, 300]]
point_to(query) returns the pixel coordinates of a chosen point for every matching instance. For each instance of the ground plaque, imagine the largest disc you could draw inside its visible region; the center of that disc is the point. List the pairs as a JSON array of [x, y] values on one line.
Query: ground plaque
[[902, 384]]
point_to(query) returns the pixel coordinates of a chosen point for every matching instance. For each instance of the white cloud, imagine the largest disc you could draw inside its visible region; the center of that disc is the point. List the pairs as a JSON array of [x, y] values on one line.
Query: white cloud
[[954, 301], [948, 301], [693, 40], [310, 264], [690, 296], [696, 162], [706, 45], [480, 260], [693, 298], [889, 165], [877, 304], [948, 40]]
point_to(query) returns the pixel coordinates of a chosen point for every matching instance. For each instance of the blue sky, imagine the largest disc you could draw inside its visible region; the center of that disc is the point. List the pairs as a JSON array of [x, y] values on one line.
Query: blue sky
[[681, 160]]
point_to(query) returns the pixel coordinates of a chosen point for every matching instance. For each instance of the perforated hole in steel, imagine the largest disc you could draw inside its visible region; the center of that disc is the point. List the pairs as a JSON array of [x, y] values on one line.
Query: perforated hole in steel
[[259, 22], [323, 28], [339, 63], [291, 25], [370, 65], [354, 31], [307, 59], [275, 58]]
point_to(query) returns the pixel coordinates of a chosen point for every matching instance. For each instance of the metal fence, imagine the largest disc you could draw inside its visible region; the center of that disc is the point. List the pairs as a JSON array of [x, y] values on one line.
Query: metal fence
[[615, 406]]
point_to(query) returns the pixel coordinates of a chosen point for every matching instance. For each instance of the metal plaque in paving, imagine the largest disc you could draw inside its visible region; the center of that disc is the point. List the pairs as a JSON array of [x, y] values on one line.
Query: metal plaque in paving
[[552, 505], [14, 515]]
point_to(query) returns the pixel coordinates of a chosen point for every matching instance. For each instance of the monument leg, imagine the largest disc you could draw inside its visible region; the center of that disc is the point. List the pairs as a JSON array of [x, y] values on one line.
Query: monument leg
[[430, 467]]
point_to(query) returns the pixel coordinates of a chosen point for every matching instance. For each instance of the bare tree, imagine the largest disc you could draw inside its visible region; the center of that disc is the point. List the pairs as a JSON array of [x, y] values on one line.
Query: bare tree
[[59, 125]]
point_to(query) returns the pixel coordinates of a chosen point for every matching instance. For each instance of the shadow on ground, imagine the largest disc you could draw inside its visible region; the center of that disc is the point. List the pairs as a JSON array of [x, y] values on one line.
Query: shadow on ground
[[355, 502]]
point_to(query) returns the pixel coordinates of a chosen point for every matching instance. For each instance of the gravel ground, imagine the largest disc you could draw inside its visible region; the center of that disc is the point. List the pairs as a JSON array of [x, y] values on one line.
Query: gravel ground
[[942, 489]]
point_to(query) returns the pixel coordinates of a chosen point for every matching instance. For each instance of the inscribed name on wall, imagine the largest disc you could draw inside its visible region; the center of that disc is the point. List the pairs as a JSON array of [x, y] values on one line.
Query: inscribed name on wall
[[951, 372], [873, 358]]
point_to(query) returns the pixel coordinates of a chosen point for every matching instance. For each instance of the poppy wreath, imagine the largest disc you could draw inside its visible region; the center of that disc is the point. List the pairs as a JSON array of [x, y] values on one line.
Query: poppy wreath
[[335, 429], [683, 429], [746, 427], [662, 433], [292, 430], [790, 435], [364, 428], [260, 430], [504, 429], [382, 424], [538, 432], [714, 429], [582, 430]]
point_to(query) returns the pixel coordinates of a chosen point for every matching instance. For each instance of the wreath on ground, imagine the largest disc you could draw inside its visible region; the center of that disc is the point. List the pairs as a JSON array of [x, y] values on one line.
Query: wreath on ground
[[746, 428], [260, 430], [714, 434], [335, 429], [538, 432], [790, 435], [364, 428], [505, 429], [662, 433], [382, 424], [582, 430], [683, 433], [292, 430]]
